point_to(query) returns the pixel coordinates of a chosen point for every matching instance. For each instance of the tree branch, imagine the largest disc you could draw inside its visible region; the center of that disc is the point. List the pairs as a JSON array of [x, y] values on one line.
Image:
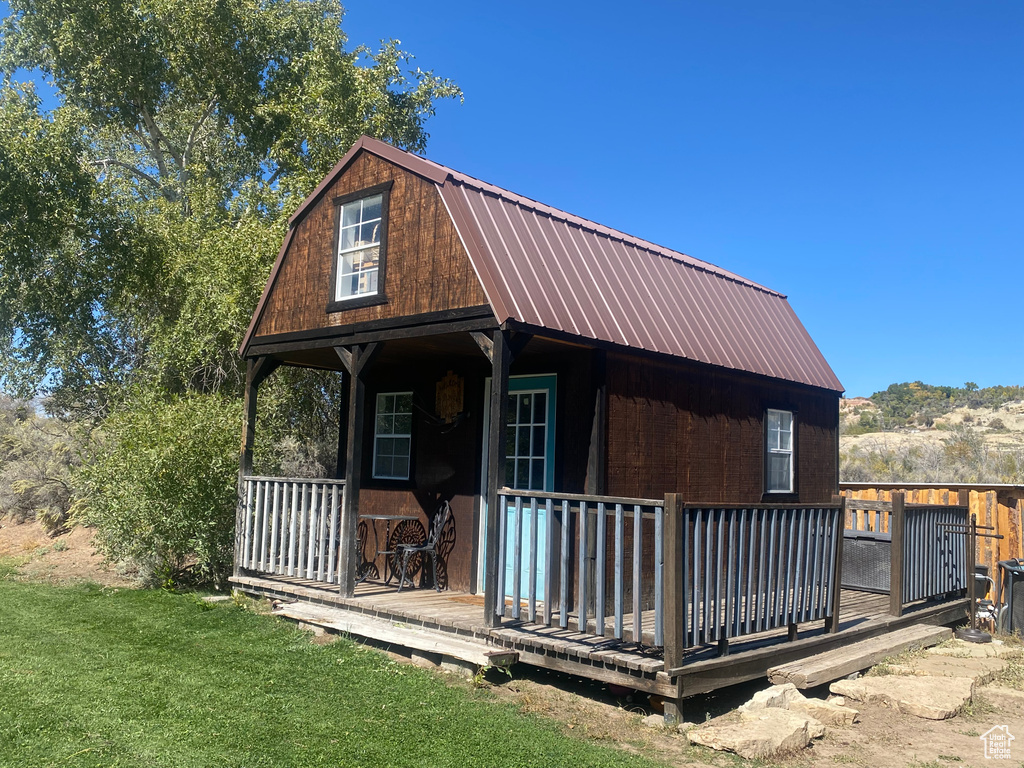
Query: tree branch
[[194, 132], [109, 161], [158, 136]]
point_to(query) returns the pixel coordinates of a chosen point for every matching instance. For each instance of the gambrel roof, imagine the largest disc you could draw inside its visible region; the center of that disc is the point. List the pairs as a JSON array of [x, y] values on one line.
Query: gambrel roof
[[547, 269]]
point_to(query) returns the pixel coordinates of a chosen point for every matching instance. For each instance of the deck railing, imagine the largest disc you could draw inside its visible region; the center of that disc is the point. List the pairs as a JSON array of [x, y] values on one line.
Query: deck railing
[[912, 551], [743, 570], [600, 558], [289, 527], [934, 551]]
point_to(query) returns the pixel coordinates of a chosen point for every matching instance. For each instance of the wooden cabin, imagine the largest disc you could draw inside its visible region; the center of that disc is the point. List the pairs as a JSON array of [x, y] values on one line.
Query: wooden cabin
[[637, 446]]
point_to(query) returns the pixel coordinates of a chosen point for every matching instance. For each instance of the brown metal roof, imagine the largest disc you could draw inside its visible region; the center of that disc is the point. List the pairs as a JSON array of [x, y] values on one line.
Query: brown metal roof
[[549, 269]]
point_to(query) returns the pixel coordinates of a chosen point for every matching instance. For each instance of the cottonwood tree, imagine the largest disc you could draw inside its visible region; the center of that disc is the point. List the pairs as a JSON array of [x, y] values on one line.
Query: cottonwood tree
[[141, 206]]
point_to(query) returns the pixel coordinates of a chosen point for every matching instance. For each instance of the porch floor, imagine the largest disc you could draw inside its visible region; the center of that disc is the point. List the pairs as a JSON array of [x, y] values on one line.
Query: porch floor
[[591, 655]]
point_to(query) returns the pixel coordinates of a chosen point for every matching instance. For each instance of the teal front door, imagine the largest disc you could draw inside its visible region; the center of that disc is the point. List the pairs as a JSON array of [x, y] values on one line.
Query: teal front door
[[529, 466]]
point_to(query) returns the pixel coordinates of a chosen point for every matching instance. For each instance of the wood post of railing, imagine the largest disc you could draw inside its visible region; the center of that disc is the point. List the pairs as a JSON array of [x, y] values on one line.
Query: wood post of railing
[[675, 607], [356, 360], [256, 372], [832, 623], [896, 555], [675, 562], [501, 359]]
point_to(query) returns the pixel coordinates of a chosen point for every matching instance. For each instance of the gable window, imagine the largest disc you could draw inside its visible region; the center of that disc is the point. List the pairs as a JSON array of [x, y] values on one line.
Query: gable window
[[359, 241], [779, 451], [392, 436]]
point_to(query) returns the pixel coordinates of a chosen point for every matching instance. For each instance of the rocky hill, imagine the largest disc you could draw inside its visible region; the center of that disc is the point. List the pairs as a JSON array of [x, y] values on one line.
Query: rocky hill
[[981, 439]]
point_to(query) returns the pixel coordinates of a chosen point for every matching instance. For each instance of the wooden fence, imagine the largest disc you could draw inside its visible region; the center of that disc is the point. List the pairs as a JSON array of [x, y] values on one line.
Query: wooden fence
[[289, 527], [998, 506]]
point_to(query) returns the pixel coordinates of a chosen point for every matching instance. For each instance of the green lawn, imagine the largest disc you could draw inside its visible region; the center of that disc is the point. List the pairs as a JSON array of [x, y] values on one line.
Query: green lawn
[[98, 677]]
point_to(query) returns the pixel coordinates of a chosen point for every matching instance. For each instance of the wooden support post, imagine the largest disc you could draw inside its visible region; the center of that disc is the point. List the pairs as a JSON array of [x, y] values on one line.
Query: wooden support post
[[256, 373], [501, 360], [832, 622], [896, 556], [674, 706], [356, 359], [674, 572], [595, 479], [342, 463]]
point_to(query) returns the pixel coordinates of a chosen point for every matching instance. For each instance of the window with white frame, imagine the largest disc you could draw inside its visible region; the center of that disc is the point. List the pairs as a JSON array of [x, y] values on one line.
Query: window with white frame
[[392, 436], [779, 451], [359, 243]]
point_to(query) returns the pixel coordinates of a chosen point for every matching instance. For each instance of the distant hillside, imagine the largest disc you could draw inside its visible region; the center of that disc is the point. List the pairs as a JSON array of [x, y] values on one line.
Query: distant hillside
[[916, 432]]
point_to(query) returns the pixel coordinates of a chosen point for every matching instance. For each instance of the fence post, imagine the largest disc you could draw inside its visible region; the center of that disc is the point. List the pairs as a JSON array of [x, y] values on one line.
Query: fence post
[[674, 606], [896, 556], [832, 622]]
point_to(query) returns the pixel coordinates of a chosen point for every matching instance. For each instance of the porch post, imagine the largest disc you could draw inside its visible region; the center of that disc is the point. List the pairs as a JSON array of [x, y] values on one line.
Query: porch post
[[355, 360], [501, 359], [256, 372]]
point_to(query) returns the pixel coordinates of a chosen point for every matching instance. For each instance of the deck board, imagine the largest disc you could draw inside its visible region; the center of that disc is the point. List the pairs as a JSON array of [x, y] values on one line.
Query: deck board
[[862, 614]]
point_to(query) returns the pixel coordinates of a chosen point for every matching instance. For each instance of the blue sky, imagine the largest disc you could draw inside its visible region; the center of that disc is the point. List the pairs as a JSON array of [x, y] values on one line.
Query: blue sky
[[865, 158]]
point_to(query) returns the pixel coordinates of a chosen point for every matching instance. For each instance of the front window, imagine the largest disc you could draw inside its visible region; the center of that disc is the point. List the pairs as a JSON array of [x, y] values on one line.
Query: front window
[[359, 239], [779, 455], [392, 436]]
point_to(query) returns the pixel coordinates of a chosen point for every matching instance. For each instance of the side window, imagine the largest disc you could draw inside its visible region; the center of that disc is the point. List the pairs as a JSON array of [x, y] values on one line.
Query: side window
[[392, 436], [778, 460]]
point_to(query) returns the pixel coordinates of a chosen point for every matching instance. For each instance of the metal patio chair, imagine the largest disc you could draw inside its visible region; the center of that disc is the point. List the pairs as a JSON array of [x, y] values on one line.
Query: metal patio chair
[[427, 548]]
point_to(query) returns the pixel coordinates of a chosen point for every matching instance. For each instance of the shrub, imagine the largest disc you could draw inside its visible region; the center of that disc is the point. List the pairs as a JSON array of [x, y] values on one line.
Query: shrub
[[36, 459], [160, 486]]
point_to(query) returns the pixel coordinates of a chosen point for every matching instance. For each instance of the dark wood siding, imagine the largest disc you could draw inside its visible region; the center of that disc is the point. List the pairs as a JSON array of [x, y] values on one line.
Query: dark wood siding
[[694, 430], [427, 270]]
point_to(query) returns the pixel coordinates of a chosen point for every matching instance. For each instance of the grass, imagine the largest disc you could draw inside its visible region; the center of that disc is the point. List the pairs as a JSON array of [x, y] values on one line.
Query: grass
[[92, 676]]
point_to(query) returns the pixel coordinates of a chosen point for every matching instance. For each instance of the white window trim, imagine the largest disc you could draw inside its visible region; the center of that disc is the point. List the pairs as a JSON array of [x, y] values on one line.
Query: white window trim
[[377, 436], [342, 252], [771, 450]]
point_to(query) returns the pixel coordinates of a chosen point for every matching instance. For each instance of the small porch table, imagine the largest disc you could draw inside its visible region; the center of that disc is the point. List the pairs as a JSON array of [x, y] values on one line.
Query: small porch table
[[408, 530]]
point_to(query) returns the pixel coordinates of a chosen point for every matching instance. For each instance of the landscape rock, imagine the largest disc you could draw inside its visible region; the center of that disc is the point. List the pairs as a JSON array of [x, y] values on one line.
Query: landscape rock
[[839, 701], [932, 698], [960, 649], [778, 696], [654, 721], [787, 696], [982, 669], [827, 712], [758, 735]]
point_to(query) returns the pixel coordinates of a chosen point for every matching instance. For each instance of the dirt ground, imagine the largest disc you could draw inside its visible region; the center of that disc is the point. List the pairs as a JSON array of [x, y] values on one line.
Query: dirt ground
[[62, 560], [882, 739]]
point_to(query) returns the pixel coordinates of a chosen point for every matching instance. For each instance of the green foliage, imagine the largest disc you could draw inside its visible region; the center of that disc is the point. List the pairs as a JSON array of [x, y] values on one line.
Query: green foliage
[[93, 677], [916, 399], [146, 208], [37, 455], [161, 486], [139, 219]]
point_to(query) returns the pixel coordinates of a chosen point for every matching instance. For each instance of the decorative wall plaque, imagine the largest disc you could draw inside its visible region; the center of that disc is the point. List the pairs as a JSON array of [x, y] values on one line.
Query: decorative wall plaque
[[449, 394]]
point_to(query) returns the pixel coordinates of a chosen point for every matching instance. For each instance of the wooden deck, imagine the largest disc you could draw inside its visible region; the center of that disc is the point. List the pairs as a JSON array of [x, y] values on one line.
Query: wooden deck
[[590, 655]]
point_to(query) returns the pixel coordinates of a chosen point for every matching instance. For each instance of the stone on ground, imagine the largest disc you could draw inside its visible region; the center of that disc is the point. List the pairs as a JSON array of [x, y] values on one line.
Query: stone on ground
[[654, 721], [960, 649], [932, 698], [788, 696], [827, 712], [759, 734], [982, 669]]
